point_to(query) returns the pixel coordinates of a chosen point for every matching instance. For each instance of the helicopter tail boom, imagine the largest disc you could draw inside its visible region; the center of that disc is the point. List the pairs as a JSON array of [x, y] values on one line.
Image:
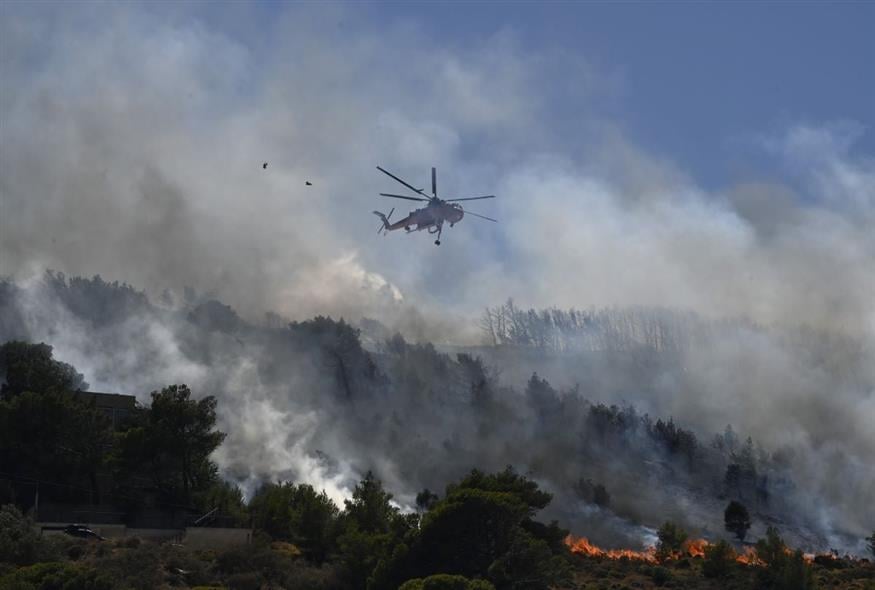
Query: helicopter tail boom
[[386, 226]]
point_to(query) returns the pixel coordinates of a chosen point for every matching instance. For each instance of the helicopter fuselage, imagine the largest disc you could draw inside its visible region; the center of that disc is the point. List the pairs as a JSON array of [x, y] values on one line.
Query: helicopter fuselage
[[431, 216]]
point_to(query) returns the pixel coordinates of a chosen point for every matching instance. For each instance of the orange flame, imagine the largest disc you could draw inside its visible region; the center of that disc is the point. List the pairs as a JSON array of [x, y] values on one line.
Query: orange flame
[[692, 548], [696, 547], [582, 546], [749, 557]]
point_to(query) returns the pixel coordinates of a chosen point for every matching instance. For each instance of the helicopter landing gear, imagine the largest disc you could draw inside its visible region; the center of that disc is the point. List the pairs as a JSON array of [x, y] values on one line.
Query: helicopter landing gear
[[440, 228]]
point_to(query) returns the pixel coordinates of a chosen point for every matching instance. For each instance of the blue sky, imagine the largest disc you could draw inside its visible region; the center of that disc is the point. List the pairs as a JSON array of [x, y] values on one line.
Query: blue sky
[[694, 81], [696, 77]]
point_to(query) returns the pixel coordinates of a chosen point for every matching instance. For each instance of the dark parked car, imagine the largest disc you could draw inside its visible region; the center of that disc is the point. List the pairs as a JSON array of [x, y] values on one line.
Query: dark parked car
[[82, 531]]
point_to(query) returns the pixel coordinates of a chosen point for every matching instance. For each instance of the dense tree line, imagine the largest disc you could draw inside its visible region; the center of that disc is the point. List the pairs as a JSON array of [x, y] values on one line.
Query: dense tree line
[[482, 532], [614, 329], [52, 435], [429, 416], [162, 451], [483, 527], [653, 329], [480, 536]]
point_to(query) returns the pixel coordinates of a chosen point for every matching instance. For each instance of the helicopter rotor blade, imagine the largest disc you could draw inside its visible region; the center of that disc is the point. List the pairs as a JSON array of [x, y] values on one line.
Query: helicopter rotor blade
[[480, 216], [390, 175], [403, 197], [470, 198], [434, 181]]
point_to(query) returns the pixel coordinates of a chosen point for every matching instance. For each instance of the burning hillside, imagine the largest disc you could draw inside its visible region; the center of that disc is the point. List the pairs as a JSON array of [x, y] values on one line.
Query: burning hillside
[[582, 546], [703, 565], [694, 548]]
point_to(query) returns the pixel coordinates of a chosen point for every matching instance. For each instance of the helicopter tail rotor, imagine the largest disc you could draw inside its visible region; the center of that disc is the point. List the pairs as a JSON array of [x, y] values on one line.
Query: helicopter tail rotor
[[384, 227]]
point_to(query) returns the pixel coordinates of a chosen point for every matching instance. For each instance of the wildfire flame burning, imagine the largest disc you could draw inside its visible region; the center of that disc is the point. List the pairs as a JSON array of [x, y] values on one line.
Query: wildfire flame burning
[[582, 546], [696, 547], [692, 548], [749, 557]]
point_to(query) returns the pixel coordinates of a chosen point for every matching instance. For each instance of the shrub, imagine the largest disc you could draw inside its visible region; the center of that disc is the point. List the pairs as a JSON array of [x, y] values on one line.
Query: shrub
[[446, 582], [185, 568], [719, 559], [75, 551], [55, 576], [671, 540], [660, 575], [20, 544], [245, 581], [783, 570], [136, 569], [131, 542]]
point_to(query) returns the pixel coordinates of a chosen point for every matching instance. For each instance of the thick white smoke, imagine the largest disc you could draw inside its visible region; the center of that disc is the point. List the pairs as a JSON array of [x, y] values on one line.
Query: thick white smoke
[[132, 142]]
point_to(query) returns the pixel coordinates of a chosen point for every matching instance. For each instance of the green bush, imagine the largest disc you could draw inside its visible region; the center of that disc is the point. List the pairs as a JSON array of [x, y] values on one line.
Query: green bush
[[20, 544], [482, 528], [671, 540], [183, 567], [246, 581], [783, 570], [719, 560], [131, 542], [133, 569], [75, 551], [55, 576], [257, 561], [446, 582], [660, 576]]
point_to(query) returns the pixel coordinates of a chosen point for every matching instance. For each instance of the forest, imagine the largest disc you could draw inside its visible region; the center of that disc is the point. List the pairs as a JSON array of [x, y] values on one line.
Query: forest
[[363, 462]]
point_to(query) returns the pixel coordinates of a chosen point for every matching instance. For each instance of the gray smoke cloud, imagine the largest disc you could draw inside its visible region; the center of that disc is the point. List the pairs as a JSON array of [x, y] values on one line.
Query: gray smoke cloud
[[132, 141]]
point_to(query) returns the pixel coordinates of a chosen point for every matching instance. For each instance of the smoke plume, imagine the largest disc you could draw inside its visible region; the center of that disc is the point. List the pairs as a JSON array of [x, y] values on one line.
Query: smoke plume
[[132, 142]]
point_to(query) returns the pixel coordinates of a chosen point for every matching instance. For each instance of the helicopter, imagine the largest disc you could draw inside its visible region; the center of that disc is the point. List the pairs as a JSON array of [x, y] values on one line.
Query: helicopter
[[431, 217]]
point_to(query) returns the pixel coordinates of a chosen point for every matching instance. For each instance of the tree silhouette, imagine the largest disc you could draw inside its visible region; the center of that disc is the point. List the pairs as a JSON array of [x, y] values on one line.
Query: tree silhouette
[[671, 540], [719, 560], [736, 519], [297, 513], [46, 429], [172, 442], [30, 367], [784, 570], [426, 499]]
